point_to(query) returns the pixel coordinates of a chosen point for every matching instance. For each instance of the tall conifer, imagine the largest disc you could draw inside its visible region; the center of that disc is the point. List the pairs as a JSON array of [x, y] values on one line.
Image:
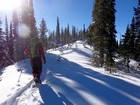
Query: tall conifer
[[104, 30], [32, 20], [11, 43], [15, 24], [137, 24], [58, 31], [43, 30], [3, 58]]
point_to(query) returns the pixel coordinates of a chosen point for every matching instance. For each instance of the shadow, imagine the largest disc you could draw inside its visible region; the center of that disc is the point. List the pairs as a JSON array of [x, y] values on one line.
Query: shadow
[[81, 52], [133, 72], [49, 96], [64, 99], [78, 82], [77, 85], [1, 72]]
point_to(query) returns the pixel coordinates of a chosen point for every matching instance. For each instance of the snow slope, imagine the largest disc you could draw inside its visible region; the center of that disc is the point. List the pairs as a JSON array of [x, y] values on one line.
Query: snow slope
[[68, 79]]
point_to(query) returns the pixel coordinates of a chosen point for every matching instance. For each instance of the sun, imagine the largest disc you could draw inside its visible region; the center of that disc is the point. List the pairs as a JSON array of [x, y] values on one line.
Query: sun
[[8, 5]]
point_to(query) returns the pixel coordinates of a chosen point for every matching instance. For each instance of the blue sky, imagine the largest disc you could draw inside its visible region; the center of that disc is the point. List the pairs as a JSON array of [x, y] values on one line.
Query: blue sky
[[124, 14], [73, 12], [79, 12]]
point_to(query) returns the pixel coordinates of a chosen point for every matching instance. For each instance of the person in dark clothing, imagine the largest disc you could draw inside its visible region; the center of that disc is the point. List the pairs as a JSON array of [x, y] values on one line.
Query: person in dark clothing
[[37, 57]]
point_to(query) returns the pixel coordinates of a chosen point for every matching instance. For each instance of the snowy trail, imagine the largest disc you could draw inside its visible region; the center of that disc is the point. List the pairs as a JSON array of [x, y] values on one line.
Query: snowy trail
[[72, 80], [12, 99], [29, 96]]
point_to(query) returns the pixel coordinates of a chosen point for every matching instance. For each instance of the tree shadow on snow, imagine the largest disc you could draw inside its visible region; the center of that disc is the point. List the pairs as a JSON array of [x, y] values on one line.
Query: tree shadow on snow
[[78, 82], [50, 97], [74, 84]]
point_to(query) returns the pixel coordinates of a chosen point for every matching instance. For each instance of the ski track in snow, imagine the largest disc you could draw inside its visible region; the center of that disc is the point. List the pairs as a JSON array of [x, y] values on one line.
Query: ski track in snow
[[28, 95], [12, 99]]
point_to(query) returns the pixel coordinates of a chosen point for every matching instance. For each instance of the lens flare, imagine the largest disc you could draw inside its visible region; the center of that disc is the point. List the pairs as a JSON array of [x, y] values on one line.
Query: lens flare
[[23, 31], [8, 5]]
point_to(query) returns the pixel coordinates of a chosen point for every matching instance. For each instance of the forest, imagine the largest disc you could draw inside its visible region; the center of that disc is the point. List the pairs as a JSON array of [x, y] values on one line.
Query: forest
[[101, 34]]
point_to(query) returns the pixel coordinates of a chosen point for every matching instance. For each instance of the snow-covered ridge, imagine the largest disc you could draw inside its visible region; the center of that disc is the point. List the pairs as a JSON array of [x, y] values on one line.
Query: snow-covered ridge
[[70, 80]]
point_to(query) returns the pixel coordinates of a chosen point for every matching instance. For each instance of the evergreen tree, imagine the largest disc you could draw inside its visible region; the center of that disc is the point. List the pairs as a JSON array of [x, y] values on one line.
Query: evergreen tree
[[89, 35], [137, 26], [126, 49], [99, 29], [6, 29], [120, 46], [62, 36], [43, 30], [132, 39], [65, 36], [83, 32], [27, 17], [7, 47], [104, 30], [58, 31], [15, 22], [126, 42], [11, 44], [110, 34], [24, 14], [18, 42], [3, 61], [32, 20], [68, 34], [7, 36], [74, 34]]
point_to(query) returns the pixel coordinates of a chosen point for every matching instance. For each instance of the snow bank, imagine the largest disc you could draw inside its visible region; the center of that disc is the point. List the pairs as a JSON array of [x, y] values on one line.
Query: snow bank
[[134, 64]]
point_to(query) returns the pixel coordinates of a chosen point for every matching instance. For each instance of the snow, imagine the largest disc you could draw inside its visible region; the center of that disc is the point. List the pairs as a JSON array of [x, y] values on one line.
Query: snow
[[68, 79]]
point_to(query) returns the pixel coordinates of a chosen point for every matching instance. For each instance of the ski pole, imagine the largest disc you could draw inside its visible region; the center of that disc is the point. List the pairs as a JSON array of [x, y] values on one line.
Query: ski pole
[[20, 75]]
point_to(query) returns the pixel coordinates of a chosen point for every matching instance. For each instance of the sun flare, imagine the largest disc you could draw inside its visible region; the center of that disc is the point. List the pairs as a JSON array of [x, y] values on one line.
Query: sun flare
[[8, 5]]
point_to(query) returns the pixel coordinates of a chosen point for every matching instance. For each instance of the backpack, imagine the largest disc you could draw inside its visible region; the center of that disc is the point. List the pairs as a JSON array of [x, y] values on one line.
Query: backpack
[[34, 47]]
